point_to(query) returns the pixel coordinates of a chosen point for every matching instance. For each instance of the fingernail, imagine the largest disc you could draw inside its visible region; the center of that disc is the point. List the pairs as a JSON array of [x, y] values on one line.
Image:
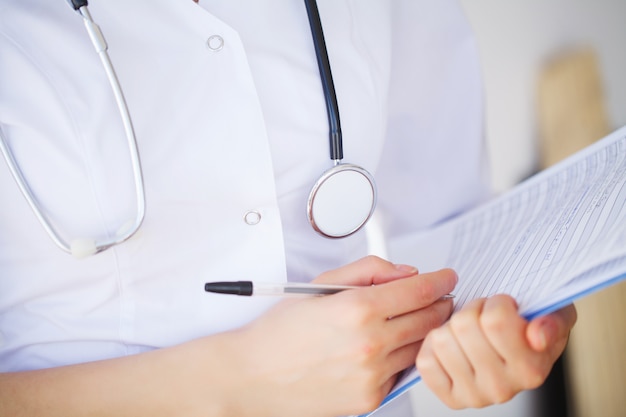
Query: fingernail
[[406, 268]]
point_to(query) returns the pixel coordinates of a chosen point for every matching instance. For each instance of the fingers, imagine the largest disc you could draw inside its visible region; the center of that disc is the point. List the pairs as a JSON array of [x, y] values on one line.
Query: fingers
[[384, 330], [551, 332], [403, 335], [367, 271], [470, 351], [396, 316], [459, 363], [391, 315], [414, 326], [484, 354], [401, 296], [397, 296], [402, 358], [509, 333], [503, 327]]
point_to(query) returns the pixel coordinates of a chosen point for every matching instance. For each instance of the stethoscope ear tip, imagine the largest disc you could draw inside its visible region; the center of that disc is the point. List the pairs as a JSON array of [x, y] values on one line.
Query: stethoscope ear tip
[[83, 247]]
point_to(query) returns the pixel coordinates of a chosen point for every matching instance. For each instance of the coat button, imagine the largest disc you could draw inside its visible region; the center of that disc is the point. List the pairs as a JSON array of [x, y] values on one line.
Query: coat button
[[252, 217], [215, 43]]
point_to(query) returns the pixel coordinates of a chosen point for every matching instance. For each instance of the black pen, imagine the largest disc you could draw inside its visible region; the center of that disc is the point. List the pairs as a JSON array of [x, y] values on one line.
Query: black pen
[[280, 289]]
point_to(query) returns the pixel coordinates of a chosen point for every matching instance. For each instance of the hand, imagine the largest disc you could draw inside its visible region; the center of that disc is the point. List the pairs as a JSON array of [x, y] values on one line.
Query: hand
[[487, 353], [340, 354], [323, 356]]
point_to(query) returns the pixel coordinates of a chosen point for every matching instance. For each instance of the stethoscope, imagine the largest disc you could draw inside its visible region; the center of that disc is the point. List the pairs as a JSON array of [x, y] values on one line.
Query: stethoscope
[[340, 202]]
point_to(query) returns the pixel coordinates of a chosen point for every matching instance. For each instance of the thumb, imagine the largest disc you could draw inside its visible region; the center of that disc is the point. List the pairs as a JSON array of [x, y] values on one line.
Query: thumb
[[550, 332]]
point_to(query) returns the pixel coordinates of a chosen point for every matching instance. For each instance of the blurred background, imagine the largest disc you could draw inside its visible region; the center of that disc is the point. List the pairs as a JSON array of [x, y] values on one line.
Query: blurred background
[[555, 81]]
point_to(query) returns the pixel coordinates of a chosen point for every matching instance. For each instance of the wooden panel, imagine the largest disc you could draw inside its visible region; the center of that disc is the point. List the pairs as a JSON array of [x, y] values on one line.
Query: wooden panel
[[571, 115]]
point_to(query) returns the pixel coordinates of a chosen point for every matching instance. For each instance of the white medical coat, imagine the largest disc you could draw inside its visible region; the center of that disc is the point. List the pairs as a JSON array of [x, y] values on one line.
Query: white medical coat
[[221, 133]]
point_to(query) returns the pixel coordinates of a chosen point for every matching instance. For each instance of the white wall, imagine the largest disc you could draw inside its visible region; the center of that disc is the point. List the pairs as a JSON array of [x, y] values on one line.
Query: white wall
[[515, 39]]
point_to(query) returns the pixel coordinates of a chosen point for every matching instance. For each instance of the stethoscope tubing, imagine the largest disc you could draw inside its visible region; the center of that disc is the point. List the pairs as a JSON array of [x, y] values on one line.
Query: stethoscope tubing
[[101, 48], [28, 195], [81, 247], [323, 63]]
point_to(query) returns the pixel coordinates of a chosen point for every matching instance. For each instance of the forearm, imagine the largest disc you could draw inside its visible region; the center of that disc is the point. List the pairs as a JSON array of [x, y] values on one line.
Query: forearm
[[166, 382]]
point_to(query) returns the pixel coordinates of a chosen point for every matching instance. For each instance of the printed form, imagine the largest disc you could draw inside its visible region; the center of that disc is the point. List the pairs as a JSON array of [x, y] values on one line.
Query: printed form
[[550, 240]]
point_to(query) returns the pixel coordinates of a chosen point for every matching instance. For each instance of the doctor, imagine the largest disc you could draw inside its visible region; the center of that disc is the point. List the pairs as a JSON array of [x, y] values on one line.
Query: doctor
[[232, 132]]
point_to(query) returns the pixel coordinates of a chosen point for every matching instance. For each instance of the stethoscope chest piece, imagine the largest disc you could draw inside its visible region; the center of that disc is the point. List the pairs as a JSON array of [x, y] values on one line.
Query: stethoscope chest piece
[[341, 201]]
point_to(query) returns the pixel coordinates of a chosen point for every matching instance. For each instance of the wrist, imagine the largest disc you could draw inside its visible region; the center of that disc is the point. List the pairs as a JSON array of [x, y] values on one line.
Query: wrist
[[203, 372]]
